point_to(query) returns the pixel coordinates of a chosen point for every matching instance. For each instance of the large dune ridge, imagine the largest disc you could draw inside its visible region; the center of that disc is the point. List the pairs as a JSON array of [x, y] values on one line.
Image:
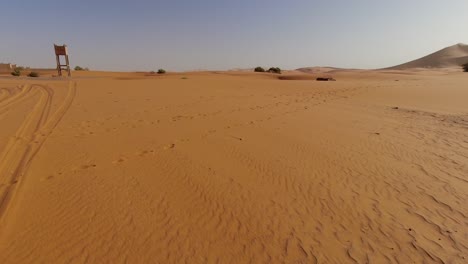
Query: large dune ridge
[[450, 57], [234, 167]]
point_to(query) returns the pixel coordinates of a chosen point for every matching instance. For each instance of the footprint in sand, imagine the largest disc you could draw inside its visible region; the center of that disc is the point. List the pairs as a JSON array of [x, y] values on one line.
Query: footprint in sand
[[237, 138], [120, 160], [88, 166], [145, 152], [50, 177], [170, 146]]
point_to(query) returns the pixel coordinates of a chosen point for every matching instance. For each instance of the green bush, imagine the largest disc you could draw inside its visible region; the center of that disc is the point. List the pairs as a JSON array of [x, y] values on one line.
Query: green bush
[[161, 71], [259, 69], [33, 74], [275, 70], [78, 68], [465, 67], [16, 72]]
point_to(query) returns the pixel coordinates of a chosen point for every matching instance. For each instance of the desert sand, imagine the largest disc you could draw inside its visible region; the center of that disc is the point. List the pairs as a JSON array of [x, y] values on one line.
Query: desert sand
[[449, 57], [235, 167]]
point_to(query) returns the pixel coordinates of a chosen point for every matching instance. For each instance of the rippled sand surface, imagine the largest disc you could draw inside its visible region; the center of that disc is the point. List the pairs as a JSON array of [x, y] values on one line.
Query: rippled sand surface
[[230, 167]]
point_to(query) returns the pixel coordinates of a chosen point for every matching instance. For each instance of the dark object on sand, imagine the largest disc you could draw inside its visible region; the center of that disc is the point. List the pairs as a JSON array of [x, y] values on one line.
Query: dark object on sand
[[465, 67], [276, 70], [259, 69], [16, 72], [395, 108], [33, 74], [325, 79]]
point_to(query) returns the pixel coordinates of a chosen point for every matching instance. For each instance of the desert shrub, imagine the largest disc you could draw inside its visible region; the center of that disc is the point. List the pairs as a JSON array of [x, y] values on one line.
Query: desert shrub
[[259, 69], [20, 68], [465, 67], [161, 71], [16, 72], [33, 74], [79, 68], [275, 70]]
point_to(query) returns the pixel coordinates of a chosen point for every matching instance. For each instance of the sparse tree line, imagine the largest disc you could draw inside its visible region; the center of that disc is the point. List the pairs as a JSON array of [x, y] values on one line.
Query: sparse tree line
[[78, 68], [17, 72], [271, 70], [160, 71]]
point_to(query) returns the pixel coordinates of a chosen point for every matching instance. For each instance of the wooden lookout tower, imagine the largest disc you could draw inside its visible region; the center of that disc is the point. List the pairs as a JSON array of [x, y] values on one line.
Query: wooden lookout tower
[[62, 51]]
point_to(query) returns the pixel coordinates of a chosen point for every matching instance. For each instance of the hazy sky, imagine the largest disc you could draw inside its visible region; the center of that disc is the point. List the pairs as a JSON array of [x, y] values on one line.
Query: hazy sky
[[216, 34]]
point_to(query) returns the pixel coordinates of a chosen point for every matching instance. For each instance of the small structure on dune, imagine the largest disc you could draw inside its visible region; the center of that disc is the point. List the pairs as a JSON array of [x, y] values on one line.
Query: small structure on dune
[[325, 79], [7, 67], [62, 51]]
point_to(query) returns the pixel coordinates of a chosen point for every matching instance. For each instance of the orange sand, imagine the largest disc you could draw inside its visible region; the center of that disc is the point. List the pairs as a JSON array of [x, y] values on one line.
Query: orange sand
[[234, 167]]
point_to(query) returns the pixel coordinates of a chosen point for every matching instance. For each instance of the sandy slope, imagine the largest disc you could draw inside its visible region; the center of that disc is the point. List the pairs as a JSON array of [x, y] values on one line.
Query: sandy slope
[[453, 56], [234, 168]]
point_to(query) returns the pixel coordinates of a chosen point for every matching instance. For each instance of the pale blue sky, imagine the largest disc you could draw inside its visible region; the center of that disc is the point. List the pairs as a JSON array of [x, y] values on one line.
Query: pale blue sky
[[215, 34]]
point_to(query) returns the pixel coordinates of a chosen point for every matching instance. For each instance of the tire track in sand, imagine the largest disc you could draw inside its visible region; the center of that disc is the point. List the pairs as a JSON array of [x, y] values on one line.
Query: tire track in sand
[[11, 99], [29, 138]]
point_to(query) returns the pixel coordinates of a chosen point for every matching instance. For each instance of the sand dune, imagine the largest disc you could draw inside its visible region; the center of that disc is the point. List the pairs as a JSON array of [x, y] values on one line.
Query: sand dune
[[234, 167], [452, 56], [318, 70]]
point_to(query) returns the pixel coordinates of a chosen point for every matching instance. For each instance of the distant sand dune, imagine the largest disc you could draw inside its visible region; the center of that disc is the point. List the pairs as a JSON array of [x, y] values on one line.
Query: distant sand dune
[[318, 70], [452, 56]]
